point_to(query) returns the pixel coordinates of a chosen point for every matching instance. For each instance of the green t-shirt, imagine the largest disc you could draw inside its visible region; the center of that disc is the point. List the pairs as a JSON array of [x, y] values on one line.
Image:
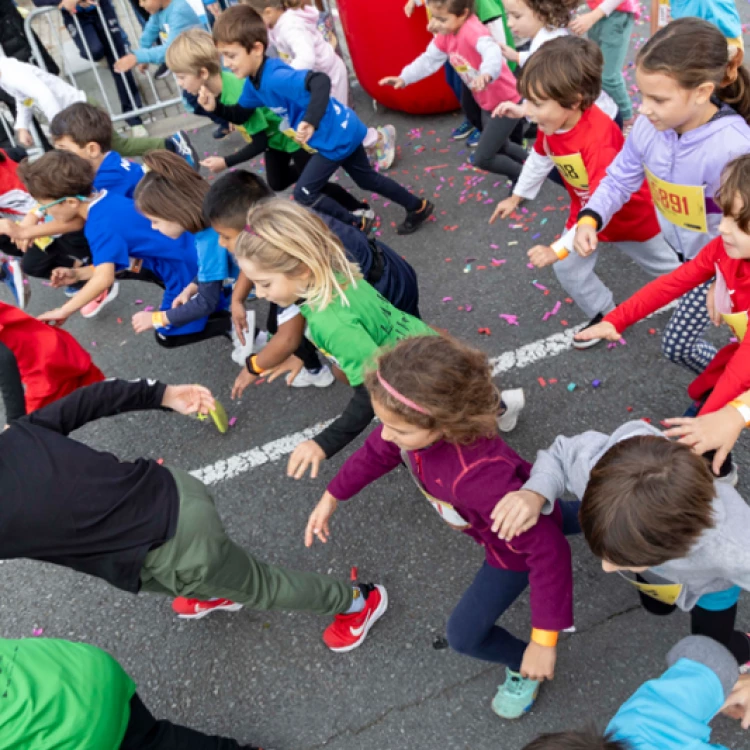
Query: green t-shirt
[[58, 695], [350, 336], [263, 120]]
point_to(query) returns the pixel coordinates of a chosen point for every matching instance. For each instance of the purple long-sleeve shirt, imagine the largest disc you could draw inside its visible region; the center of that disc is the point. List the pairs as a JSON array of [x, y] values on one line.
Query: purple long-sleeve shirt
[[466, 481]]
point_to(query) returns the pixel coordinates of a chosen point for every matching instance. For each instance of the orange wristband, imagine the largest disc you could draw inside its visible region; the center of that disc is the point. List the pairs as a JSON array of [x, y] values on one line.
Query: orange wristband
[[544, 637], [743, 409], [560, 250], [589, 221], [159, 319], [252, 365]]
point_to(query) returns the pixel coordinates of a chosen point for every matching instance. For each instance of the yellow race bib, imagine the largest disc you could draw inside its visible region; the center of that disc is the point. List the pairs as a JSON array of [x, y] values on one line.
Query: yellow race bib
[[572, 170], [681, 205], [737, 322], [43, 242], [668, 593]]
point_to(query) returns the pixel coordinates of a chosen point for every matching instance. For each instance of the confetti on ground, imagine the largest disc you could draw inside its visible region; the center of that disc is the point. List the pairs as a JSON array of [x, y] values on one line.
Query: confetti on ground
[[542, 382], [596, 383], [36, 632], [553, 311], [511, 320], [572, 387], [484, 331], [447, 299], [232, 421]]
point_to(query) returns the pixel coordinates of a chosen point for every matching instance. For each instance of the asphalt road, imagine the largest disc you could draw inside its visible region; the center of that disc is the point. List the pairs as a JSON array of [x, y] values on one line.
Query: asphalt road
[[267, 678]]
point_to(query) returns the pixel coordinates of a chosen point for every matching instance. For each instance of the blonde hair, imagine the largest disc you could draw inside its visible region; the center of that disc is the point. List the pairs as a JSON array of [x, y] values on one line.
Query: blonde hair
[[284, 237], [192, 51]]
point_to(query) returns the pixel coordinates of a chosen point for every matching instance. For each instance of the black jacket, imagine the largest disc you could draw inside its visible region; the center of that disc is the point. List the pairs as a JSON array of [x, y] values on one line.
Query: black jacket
[[13, 37]]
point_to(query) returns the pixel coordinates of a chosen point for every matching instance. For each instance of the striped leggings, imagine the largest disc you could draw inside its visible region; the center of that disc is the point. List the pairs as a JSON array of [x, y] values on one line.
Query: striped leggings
[[682, 342]]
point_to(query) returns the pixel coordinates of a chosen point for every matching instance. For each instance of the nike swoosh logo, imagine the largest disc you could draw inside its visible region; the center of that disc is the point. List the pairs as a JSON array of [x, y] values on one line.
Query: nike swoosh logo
[[356, 632]]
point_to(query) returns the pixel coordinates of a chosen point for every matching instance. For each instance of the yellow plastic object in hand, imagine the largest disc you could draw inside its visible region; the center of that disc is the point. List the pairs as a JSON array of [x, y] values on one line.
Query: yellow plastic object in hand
[[220, 418]]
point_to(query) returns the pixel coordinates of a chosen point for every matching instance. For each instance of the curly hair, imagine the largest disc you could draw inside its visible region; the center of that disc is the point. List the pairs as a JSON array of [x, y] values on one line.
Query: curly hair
[[451, 381], [554, 13]]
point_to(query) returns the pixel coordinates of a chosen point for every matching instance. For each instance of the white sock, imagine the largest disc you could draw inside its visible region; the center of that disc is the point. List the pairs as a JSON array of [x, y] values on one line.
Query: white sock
[[358, 602]]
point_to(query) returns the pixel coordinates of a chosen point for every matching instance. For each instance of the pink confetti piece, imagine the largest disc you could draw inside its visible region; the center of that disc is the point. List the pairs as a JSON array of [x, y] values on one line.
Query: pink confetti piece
[[498, 261], [469, 308], [539, 286], [148, 308], [138, 302], [530, 265], [511, 320], [232, 421], [36, 632], [447, 299]]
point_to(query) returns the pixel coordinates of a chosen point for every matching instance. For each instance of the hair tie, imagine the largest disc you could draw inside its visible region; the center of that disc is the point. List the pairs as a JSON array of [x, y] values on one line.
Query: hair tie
[[400, 396], [250, 230]]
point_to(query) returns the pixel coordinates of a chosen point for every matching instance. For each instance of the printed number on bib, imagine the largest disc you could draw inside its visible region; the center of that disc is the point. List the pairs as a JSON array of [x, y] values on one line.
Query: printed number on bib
[[572, 170], [668, 593], [681, 205]]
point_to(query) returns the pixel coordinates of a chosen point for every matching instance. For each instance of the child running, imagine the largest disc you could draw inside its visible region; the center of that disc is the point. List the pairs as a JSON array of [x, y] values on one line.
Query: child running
[[560, 84], [438, 407], [687, 135], [303, 101], [461, 39]]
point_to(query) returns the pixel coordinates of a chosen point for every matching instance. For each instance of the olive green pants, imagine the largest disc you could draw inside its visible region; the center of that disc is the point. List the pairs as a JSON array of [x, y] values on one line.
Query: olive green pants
[[128, 147]]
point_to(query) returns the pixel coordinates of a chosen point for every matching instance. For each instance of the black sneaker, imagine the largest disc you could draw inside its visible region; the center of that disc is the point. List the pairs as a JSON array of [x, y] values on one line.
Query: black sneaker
[[588, 344], [415, 219], [162, 71], [366, 225], [220, 132]]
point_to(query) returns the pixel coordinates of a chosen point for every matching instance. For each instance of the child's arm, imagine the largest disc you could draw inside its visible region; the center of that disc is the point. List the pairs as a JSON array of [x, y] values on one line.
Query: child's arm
[[35, 89], [429, 62], [26, 230], [258, 146], [319, 86], [98, 279], [654, 16], [302, 41], [202, 302], [146, 52], [11, 386], [734, 379], [737, 704], [492, 62], [242, 287]]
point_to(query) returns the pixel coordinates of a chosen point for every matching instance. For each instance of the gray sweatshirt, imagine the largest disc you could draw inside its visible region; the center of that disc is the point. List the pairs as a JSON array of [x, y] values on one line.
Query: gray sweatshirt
[[720, 558]]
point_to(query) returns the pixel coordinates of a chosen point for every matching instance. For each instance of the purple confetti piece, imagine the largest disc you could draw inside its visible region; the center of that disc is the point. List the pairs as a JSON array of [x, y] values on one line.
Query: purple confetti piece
[[232, 421], [447, 299], [530, 265], [138, 302], [511, 320], [469, 308]]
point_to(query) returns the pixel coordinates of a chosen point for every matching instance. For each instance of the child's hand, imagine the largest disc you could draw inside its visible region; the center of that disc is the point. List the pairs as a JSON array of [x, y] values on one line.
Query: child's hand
[[586, 240], [214, 164], [9, 228], [307, 454], [516, 512], [124, 64], [317, 525], [292, 364], [603, 330], [508, 109], [395, 81], [58, 316], [239, 319], [142, 321], [185, 295], [539, 662], [188, 399], [69, 5], [214, 9], [581, 24], [305, 131], [409, 8], [206, 99], [509, 53], [241, 382], [506, 207], [713, 313], [24, 137], [481, 82], [542, 255], [737, 705], [717, 431], [63, 277], [142, 67]]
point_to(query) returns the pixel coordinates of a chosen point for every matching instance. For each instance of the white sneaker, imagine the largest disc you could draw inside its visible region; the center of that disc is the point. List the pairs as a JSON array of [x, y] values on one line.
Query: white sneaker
[[242, 351], [514, 402], [321, 379]]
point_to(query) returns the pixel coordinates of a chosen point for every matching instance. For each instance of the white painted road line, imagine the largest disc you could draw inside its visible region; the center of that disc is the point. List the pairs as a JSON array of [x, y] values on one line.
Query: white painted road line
[[246, 461]]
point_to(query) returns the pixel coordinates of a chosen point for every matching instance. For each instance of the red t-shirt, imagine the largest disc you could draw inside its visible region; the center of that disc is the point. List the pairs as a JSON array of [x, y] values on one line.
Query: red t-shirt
[[582, 155]]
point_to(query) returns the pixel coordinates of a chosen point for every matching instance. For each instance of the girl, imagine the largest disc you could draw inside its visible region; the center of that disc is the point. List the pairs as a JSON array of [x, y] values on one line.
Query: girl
[[293, 29], [292, 257], [462, 39], [688, 134], [437, 404]]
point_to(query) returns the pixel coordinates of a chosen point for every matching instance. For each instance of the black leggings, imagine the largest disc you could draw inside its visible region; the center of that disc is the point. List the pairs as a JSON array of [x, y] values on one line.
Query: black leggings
[[145, 732], [218, 324], [63, 252], [718, 625], [305, 351]]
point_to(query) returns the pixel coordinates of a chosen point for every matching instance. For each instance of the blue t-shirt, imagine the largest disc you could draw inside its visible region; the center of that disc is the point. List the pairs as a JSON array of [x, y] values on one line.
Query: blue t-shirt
[[116, 174], [721, 13], [282, 90], [214, 262]]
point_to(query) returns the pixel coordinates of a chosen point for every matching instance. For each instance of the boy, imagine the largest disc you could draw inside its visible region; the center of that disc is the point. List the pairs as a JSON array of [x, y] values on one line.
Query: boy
[[560, 85], [85, 685], [141, 526], [671, 712], [302, 99], [651, 512], [31, 86]]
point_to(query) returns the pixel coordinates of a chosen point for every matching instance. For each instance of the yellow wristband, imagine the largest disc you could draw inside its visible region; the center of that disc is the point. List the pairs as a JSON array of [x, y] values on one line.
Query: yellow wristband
[[252, 366], [560, 250], [588, 221], [159, 319], [743, 409], [544, 637]]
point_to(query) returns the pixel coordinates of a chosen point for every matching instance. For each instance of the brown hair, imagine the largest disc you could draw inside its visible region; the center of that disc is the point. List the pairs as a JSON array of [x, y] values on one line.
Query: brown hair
[[57, 174], [172, 190], [261, 5], [647, 501], [581, 739], [555, 14], [241, 25], [735, 181], [193, 50], [567, 70], [83, 123], [454, 7], [694, 51], [451, 381]]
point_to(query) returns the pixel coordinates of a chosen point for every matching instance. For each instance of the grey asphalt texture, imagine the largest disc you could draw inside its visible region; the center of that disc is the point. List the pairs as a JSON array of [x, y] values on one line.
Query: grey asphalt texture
[[267, 678]]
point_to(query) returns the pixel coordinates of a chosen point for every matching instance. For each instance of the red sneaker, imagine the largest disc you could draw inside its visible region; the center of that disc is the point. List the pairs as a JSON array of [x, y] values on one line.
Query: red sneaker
[[346, 632], [194, 609]]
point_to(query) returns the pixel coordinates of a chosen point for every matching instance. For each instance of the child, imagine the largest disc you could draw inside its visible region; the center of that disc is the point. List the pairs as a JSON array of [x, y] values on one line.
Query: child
[[610, 24], [86, 131], [461, 39], [671, 712], [54, 678], [40, 363], [293, 31], [560, 84], [721, 13], [33, 87], [171, 197], [438, 407], [121, 240], [141, 526], [292, 258], [652, 512], [681, 146], [302, 99]]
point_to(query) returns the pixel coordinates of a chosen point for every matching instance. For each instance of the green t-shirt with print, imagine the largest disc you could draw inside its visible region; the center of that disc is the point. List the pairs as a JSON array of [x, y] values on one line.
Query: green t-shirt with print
[[351, 335], [61, 695], [262, 120]]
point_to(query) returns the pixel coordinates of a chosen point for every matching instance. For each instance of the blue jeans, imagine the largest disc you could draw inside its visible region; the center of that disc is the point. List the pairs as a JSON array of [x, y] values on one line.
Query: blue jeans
[[471, 626]]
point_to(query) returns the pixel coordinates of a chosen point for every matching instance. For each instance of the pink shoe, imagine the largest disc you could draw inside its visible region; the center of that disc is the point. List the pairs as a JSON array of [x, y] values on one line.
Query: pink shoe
[[92, 308]]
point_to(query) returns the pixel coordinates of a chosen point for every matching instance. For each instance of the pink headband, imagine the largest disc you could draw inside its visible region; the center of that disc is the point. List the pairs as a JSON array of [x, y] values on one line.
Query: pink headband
[[400, 397], [250, 230]]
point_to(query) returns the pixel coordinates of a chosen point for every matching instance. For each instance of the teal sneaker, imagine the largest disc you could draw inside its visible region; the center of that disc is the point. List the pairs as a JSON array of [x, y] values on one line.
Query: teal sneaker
[[515, 696]]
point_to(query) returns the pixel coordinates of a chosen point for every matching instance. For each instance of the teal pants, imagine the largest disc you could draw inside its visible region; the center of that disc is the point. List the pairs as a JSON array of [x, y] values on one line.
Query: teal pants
[[612, 34]]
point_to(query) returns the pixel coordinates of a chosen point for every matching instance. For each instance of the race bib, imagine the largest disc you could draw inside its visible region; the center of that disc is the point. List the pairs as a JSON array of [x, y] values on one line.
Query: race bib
[[681, 205], [737, 322], [665, 13], [43, 242], [447, 512], [248, 138], [668, 593], [572, 170]]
